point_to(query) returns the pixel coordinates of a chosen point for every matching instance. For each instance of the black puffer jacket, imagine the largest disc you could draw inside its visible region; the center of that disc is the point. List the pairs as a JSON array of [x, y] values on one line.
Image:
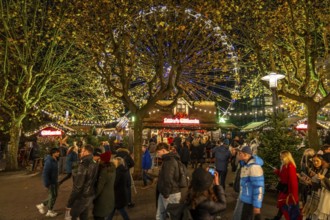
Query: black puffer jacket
[[207, 209], [84, 182], [168, 178]]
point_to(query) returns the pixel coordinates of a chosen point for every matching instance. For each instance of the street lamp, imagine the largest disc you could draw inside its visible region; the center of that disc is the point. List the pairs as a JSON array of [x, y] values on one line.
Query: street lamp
[[272, 79]]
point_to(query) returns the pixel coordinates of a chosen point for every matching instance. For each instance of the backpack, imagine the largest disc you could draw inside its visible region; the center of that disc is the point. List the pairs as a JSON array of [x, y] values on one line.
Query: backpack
[[179, 211], [183, 175]]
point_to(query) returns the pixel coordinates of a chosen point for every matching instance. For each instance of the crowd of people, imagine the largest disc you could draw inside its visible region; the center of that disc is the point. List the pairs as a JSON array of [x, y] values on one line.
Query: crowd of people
[[101, 177]]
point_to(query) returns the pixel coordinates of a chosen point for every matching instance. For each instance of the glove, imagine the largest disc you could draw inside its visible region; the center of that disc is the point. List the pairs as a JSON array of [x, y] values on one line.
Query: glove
[[257, 217]]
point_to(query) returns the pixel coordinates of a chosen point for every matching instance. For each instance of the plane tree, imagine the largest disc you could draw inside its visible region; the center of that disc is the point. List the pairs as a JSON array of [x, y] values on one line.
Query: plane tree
[[149, 51], [39, 66], [287, 37]]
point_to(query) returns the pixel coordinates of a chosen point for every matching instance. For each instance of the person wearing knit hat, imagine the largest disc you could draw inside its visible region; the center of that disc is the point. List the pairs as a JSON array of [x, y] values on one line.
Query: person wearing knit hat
[[105, 157], [252, 185], [104, 202], [206, 197]]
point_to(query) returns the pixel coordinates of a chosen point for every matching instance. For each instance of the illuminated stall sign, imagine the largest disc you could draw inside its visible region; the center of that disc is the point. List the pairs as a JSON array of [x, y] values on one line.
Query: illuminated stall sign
[[302, 127], [50, 132], [180, 121]]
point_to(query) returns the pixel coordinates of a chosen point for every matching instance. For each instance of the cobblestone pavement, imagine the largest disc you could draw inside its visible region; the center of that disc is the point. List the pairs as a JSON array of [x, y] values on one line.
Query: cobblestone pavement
[[20, 192]]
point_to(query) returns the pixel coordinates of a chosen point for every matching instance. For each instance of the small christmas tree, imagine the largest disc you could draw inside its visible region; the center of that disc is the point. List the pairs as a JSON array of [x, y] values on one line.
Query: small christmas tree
[[274, 139]]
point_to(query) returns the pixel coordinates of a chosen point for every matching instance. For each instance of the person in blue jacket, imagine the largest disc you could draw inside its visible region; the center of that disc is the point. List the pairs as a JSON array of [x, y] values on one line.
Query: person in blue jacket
[[252, 186], [50, 176], [146, 165], [71, 165]]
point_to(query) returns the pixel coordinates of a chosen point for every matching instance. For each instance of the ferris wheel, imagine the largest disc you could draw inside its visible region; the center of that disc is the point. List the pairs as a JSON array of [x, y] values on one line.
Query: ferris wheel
[[190, 42]]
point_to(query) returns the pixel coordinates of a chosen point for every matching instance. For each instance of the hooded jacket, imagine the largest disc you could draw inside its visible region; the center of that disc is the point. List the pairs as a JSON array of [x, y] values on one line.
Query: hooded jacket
[[222, 155], [168, 179], [146, 160], [125, 154], [50, 171], [252, 182]]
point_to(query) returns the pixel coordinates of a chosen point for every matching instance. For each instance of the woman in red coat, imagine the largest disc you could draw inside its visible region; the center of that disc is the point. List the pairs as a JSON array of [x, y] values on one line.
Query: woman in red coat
[[287, 201]]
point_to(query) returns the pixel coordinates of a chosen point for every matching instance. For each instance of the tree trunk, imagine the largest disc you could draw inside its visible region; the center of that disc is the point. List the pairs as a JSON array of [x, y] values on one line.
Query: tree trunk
[[138, 127], [313, 137], [15, 136]]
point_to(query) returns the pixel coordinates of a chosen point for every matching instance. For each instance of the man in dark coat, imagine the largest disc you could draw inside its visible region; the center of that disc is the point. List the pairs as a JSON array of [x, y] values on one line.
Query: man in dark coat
[[83, 185], [185, 153], [34, 155], [50, 176], [222, 155], [168, 180]]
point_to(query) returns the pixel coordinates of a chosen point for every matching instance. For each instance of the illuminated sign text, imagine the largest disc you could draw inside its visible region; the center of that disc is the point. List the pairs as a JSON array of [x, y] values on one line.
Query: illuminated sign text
[[50, 133], [180, 121]]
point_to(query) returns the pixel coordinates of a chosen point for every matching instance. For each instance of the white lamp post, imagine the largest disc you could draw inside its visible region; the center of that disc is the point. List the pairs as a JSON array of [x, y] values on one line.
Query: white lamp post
[[272, 79]]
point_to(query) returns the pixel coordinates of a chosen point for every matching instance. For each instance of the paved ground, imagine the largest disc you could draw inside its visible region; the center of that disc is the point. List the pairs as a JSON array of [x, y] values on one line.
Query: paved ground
[[20, 192]]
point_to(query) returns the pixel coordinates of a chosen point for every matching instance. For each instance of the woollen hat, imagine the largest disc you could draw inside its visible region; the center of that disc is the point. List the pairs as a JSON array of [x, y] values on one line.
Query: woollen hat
[[105, 157], [246, 149], [97, 152], [201, 180]]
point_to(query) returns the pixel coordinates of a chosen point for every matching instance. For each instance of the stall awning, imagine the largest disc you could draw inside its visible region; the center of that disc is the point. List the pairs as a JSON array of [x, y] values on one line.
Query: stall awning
[[227, 125], [254, 126]]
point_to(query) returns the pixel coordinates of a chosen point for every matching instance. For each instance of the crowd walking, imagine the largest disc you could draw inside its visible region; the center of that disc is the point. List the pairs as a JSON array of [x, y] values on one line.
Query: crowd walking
[[102, 180]]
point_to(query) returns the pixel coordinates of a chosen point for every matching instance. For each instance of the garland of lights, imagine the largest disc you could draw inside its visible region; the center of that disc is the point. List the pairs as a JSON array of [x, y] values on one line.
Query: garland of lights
[[63, 120], [199, 109]]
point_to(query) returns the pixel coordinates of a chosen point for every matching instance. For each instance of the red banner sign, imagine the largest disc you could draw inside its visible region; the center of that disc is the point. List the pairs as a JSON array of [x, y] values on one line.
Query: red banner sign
[[180, 121], [51, 133]]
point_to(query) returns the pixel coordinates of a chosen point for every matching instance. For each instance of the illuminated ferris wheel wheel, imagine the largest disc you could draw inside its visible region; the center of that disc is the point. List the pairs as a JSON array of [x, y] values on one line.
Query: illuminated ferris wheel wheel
[[208, 61]]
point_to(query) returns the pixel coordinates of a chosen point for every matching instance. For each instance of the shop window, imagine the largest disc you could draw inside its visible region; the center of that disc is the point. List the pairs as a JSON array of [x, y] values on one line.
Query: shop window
[[181, 108]]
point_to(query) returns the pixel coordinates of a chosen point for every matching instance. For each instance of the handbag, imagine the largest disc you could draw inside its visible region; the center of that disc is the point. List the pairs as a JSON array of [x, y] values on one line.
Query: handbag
[[292, 209]]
